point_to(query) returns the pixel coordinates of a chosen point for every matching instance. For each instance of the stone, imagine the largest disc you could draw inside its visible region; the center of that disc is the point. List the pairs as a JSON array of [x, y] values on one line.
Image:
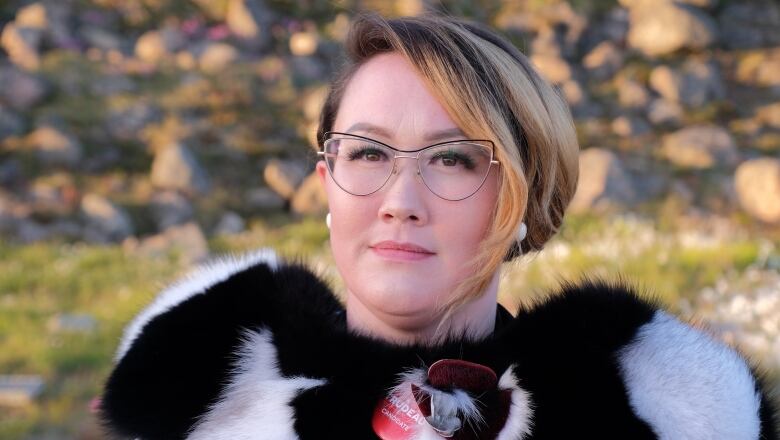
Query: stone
[[11, 124], [249, 20], [263, 199], [632, 94], [105, 222], [187, 240], [154, 46], [768, 115], [21, 90], [629, 126], [303, 44], [169, 208], [313, 102], [700, 147], [55, 146], [101, 38], [574, 93], [664, 112], [229, 223], [19, 390], [284, 177], [216, 57], [660, 28], [757, 184], [176, 168], [22, 45], [113, 84], [603, 181], [126, 123], [603, 60], [747, 25], [10, 172], [760, 68], [32, 16], [72, 322], [310, 198], [553, 68], [694, 84]]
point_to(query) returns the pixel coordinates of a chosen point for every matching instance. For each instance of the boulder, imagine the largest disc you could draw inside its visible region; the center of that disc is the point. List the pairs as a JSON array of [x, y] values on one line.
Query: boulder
[[263, 199], [629, 126], [249, 20], [664, 112], [757, 184], [187, 240], [22, 45], [700, 147], [21, 90], [760, 68], [310, 198], [176, 168], [304, 43], [554, 68], [284, 176], [603, 60], [660, 28], [747, 25], [153, 46], [105, 222], [603, 181], [11, 124], [694, 84], [216, 57], [55, 146], [72, 323], [20, 390], [229, 223], [632, 94], [769, 115], [169, 208]]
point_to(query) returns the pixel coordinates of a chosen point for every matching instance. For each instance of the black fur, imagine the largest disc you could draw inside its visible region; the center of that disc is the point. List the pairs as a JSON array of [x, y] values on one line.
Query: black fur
[[564, 350]]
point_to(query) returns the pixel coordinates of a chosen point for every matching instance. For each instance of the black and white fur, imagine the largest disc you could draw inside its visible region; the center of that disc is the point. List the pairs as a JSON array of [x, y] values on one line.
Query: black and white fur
[[251, 348]]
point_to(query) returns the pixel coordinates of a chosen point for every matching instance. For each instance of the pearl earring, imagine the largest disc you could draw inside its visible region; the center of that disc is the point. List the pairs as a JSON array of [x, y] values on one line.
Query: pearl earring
[[522, 232], [327, 220]]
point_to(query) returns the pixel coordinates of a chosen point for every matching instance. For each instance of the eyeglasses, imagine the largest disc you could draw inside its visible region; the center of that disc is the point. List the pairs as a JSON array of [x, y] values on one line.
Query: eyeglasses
[[453, 170]]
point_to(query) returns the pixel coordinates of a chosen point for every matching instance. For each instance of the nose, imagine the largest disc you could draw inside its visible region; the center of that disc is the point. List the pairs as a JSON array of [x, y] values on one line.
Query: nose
[[404, 195]]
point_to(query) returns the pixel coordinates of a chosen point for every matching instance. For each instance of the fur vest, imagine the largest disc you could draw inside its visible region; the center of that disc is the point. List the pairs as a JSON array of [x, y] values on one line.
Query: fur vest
[[253, 348]]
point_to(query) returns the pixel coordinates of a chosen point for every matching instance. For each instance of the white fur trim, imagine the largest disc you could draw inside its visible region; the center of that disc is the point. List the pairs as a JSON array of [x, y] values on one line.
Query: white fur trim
[[688, 386], [256, 402], [195, 283], [518, 422]]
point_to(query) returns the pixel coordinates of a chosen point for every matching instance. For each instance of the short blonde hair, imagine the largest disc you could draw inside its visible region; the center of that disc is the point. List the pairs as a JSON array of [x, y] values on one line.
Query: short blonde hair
[[491, 91]]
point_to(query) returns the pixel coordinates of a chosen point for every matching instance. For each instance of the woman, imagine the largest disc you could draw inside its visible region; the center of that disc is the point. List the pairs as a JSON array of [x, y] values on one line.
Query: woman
[[443, 154]]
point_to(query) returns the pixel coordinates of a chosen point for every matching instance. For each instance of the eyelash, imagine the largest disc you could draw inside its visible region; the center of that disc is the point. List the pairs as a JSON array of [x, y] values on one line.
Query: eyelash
[[464, 159], [360, 152]]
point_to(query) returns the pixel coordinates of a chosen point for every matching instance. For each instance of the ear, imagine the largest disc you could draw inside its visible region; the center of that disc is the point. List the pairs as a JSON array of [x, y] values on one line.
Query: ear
[[322, 171]]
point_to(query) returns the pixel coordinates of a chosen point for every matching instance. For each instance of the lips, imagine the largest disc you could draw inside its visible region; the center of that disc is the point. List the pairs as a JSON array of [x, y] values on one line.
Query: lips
[[406, 247], [399, 252]]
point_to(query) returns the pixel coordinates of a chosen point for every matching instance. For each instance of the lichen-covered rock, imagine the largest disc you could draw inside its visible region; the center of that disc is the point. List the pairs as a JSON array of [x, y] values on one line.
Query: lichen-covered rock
[[660, 28], [603, 181], [175, 167], [693, 84], [700, 147], [758, 188]]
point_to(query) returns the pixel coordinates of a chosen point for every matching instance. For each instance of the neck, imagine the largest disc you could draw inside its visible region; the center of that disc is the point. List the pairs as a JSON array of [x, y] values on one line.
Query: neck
[[475, 320]]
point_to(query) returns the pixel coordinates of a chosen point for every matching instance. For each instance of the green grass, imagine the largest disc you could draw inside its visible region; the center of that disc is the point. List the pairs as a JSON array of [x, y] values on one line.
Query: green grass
[[37, 282]]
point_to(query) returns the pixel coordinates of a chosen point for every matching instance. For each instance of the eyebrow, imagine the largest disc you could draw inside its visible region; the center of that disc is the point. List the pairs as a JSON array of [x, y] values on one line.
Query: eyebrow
[[368, 128]]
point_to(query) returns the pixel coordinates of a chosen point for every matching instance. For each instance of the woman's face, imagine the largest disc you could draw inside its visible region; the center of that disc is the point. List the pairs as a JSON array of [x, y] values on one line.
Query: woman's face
[[387, 101]]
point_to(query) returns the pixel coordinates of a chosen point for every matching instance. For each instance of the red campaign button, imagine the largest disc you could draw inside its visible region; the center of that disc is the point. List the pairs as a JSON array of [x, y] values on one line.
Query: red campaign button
[[397, 418]]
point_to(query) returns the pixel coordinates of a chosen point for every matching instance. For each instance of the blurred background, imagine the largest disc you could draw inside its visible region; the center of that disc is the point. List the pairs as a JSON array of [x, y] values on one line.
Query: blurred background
[[140, 137]]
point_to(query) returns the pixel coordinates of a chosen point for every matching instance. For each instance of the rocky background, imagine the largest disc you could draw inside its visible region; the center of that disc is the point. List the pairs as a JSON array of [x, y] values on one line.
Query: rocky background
[[154, 124]]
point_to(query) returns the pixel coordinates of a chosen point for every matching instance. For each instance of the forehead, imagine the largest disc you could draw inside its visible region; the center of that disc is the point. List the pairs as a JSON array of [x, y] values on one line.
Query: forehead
[[388, 94]]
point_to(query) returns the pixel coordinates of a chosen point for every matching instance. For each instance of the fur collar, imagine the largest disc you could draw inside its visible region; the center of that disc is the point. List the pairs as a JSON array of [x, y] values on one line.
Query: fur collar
[[251, 347]]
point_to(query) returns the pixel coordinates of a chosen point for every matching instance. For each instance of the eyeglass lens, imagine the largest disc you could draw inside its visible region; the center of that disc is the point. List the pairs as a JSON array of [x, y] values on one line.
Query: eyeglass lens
[[453, 171]]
